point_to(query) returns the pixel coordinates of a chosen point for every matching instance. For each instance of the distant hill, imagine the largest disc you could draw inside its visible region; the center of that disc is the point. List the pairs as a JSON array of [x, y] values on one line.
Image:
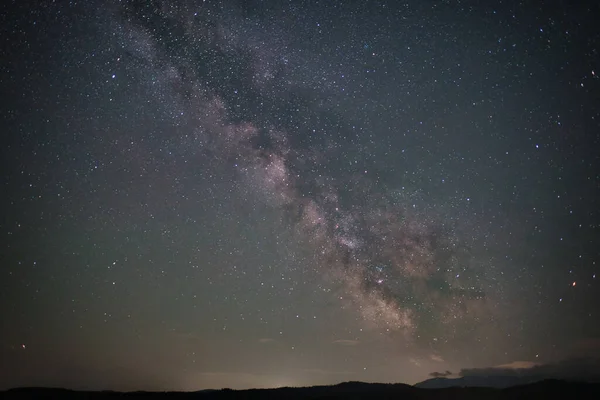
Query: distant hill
[[350, 390], [494, 381]]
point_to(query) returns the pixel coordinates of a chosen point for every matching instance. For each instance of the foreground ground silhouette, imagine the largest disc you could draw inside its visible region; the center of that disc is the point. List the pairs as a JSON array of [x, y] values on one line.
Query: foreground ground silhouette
[[550, 389]]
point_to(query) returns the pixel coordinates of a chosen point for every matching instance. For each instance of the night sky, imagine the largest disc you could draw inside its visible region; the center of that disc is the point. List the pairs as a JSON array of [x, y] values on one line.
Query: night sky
[[207, 194]]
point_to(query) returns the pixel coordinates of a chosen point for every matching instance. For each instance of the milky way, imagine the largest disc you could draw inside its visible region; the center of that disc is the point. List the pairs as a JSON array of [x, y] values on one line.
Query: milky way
[[396, 265], [207, 194]]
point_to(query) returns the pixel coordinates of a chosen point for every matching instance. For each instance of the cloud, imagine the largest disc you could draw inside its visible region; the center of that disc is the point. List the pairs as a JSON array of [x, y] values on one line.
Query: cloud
[[518, 365], [436, 358], [346, 342], [440, 374], [587, 369]]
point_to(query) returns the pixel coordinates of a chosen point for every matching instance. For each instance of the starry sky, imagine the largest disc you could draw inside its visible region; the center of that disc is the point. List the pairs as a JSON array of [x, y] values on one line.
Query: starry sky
[[206, 194]]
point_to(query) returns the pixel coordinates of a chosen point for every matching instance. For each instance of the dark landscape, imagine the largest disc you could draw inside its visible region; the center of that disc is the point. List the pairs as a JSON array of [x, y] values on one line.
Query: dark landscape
[[549, 389]]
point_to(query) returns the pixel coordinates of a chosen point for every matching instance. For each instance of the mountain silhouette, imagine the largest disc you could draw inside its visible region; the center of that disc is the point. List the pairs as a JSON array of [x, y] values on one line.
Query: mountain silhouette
[[348, 390]]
